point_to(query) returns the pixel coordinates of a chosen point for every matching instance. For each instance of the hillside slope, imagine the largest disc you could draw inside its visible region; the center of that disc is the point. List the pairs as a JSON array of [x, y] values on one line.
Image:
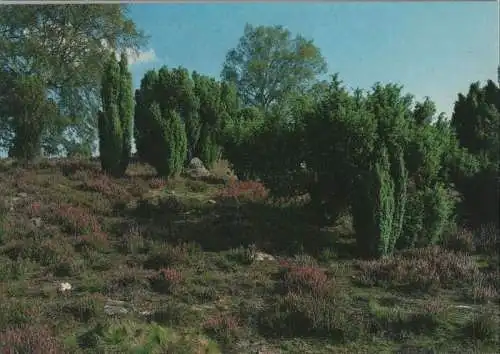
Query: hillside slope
[[141, 265]]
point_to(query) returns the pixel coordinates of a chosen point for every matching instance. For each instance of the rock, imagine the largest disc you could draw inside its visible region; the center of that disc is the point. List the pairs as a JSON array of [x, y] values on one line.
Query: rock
[[64, 287], [37, 222], [198, 172], [261, 256], [196, 163], [196, 169], [115, 307], [464, 307]]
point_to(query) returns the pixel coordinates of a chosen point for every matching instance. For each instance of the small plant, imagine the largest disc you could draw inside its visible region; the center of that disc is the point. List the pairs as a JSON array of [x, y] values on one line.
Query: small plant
[[106, 186], [483, 293], [298, 315], [166, 280], [94, 241], [426, 269], [487, 239], [395, 322], [196, 186], [223, 328], [157, 183], [133, 242], [19, 312], [175, 314], [85, 308], [168, 255], [482, 327], [304, 278], [30, 339], [76, 220], [244, 190], [242, 255], [460, 240]]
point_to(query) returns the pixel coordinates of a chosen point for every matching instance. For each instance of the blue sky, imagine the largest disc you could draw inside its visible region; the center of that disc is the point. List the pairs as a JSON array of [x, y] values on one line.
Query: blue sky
[[433, 49]]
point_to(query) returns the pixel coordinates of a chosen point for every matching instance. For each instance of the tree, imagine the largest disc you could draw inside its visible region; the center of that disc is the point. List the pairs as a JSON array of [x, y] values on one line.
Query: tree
[[109, 121], [115, 121], [175, 92], [268, 65], [476, 121], [143, 129], [54, 42], [126, 111], [160, 134], [25, 103]]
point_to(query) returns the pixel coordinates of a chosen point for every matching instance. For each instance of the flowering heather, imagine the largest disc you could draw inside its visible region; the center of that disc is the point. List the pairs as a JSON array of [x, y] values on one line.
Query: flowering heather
[[249, 190], [425, 269], [157, 183], [77, 220], [29, 340], [298, 278], [104, 185], [166, 280], [222, 327]]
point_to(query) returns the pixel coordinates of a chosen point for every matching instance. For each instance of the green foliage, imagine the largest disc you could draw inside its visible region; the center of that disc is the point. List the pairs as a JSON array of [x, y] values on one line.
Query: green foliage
[[47, 41], [26, 103], [217, 103], [256, 66], [403, 199], [144, 132], [126, 110], [175, 91], [476, 120], [165, 100], [114, 120], [340, 135], [238, 134], [373, 209]]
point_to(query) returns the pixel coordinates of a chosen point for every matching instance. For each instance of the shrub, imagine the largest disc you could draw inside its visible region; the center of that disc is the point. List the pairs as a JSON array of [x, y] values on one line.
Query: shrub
[[105, 186], [244, 190], [427, 270], [160, 132], [487, 238], [460, 240], [482, 327], [296, 315], [196, 186], [175, 314], [75, 220], [157, 183], [19, 312], [115, 121], [396, 322], [483, 293], [85, 308], [92, 241], [374, 209], [224, 328], [168, 255], [29, 339], [304, 278], [166, 280]]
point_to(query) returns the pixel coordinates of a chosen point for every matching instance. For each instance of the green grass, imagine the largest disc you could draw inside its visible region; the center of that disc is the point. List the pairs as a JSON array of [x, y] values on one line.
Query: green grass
[[180, 256]]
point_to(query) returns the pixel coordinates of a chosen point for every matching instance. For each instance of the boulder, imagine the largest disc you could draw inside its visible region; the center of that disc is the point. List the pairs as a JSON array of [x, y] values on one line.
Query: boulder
[[196, 169], [196, 163]]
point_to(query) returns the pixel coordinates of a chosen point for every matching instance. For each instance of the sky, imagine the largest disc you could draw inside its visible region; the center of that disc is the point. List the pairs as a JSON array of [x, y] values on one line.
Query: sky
[[433, 49]]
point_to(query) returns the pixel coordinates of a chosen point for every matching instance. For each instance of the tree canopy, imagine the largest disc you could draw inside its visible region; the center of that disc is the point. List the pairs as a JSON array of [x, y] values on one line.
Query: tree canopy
[[269, 64], [63, 46]]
